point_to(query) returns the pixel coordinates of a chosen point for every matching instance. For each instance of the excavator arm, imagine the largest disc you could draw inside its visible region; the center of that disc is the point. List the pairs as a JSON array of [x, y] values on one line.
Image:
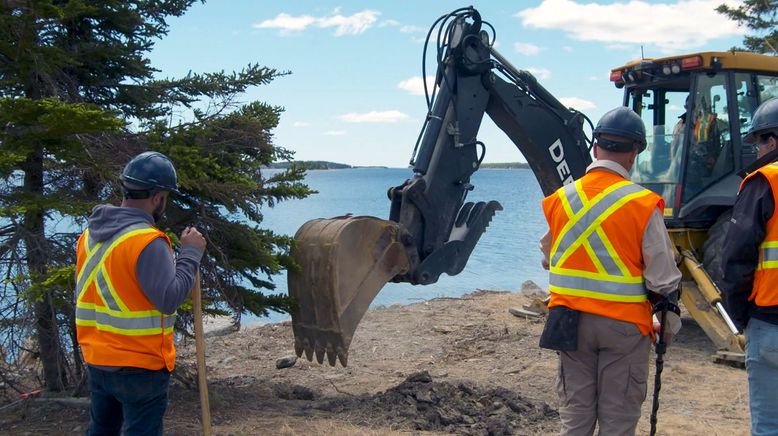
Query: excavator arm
[[432, 229]]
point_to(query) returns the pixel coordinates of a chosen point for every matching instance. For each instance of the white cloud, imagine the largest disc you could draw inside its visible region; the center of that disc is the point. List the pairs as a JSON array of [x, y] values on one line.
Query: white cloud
[[390, 22], [412, 29], [568, 49], [540, 73], [351, 25], [334, 133], [287, 23], [300, 124], [577, 103], [415, 86], [344, 25], [526, 48], [670, 27], [374, 117], [598, 78]]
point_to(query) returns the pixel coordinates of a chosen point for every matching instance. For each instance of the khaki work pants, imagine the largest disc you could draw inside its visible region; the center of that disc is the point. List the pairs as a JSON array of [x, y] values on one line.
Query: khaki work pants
[[604, 381]]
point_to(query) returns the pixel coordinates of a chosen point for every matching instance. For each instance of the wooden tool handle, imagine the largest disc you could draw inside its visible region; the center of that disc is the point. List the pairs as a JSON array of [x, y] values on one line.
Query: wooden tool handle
[[202, 380]]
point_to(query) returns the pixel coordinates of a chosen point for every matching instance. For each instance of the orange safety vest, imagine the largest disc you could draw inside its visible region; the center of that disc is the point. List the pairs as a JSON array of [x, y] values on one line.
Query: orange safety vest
[[764, 291], [596, 261], [116, 324]]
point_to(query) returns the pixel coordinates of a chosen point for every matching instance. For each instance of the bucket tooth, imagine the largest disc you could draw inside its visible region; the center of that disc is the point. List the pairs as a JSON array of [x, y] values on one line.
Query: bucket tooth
[[309, 353], [332, 358], [319, 354], [343, 357], [298, 348]]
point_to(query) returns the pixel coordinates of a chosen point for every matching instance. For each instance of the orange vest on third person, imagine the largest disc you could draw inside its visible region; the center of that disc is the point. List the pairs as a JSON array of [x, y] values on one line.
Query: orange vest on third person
[[596, 262], [764, 291], [116, 324]]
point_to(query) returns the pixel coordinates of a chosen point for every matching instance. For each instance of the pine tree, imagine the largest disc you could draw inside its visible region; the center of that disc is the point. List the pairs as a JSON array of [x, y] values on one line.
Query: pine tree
[[759, 17], [78, 99]]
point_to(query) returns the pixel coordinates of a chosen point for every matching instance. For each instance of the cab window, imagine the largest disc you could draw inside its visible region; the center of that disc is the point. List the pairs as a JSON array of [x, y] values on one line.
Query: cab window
[[709, 155], [658, 167], [768, 87]]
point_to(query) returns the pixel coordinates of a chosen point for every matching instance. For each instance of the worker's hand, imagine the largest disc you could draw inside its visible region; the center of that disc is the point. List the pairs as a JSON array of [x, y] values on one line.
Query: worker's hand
[[192, 237], [672, 327]]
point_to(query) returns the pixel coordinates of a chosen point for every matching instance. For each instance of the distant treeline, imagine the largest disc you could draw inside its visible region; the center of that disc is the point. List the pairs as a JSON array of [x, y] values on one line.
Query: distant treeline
[[326, 165], [506, 165], [310, 165]]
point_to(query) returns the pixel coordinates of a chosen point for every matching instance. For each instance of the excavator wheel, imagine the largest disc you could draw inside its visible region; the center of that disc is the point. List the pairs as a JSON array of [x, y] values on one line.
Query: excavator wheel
[[343, 264], [712, 249]]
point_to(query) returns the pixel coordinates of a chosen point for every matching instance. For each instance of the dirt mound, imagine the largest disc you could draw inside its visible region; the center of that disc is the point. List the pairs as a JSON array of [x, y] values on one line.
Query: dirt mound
[[421, 403]]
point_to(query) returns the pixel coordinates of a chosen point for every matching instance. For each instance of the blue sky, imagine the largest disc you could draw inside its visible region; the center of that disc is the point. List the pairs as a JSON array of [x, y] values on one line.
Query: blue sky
[[354, 94]]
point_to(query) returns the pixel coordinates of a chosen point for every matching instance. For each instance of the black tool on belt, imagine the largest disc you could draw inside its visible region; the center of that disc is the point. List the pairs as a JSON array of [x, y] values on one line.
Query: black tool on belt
[[662, 307]]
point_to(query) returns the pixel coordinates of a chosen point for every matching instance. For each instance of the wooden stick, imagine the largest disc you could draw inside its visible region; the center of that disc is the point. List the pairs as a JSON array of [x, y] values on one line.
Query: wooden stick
[[202, 380]]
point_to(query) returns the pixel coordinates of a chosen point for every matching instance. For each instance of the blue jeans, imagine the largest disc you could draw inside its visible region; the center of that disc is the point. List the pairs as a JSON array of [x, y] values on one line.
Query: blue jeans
[[762, 367], [134, 397]]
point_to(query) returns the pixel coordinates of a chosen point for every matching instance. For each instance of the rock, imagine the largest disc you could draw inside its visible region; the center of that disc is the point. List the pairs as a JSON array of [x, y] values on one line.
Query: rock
[[214, 326], [521, 313], [538, 305], [424, 397], [498, 426], [419, 377], [286, 362], [531, 289]]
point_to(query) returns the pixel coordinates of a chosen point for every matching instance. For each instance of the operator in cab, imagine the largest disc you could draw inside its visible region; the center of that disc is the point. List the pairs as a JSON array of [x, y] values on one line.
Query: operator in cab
[[609, 258], [128, 287], [750, 266]]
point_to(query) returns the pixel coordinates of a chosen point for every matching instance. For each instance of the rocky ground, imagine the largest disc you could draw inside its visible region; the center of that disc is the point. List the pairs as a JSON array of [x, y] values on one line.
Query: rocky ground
[[450, 365]]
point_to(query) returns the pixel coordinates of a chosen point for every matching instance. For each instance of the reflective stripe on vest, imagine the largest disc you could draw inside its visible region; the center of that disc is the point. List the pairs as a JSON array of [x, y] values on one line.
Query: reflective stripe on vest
[[764, 292], [114, 316], [612, 281], [768, 255]]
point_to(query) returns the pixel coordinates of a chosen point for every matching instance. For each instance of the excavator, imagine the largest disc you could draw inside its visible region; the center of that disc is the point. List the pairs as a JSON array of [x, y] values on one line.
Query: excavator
[[695, 108]]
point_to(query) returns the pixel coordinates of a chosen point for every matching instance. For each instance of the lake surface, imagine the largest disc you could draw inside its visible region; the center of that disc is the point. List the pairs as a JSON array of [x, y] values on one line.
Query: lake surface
[[504, 258]]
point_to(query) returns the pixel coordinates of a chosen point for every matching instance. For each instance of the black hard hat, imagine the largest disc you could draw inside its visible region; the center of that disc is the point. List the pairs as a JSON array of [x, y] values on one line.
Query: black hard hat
[[152, 171], [765, 119], [625, 123]]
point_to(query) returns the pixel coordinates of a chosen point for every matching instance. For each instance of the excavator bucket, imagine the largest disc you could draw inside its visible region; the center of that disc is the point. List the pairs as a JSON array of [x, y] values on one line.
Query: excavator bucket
[[343, 264]]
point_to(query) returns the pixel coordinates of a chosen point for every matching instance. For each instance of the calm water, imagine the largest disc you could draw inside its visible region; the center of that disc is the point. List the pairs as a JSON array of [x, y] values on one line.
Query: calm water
[[506, 255]]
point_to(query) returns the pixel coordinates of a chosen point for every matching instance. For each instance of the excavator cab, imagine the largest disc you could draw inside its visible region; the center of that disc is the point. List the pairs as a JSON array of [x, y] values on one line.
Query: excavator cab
[[696, 109]]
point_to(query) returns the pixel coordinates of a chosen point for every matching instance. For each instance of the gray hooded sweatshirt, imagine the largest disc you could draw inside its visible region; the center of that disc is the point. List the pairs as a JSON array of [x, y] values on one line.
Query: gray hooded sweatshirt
[[165, 280]]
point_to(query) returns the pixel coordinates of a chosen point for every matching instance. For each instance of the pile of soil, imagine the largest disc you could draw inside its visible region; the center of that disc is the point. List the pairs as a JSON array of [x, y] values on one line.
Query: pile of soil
[[463, 408]]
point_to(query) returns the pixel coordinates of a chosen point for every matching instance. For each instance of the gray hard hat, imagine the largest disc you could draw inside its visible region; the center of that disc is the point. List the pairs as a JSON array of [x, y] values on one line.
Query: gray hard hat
[[151, 171], [765, 120], [622, 122]]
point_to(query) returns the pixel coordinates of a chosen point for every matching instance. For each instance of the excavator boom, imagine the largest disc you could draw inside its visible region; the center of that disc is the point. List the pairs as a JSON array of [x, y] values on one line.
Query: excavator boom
[[345, 261]]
